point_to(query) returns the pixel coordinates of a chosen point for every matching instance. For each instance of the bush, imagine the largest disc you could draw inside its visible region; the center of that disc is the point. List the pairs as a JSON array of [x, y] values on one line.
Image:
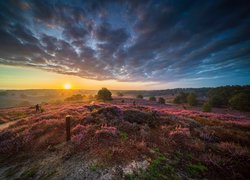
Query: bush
[[76, 97], [104, 94], [181, 98], [152, 98], [139, 96], [216, 101], [161, 100], [191, 99], [240, 101], [206, 107]]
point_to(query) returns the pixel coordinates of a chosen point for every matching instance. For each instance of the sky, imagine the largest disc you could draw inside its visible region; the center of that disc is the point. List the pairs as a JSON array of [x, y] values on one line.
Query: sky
[[157, 44]]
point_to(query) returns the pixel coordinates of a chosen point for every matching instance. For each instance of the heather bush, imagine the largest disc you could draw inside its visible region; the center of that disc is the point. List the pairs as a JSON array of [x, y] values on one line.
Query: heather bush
[[139, 117]]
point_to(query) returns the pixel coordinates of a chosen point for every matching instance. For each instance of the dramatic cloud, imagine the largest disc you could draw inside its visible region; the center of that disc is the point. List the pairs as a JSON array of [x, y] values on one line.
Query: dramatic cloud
[[161, 41]]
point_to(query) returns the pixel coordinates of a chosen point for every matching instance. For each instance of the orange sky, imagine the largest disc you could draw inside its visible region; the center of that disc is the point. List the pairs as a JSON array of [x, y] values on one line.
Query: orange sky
[[13, 77]]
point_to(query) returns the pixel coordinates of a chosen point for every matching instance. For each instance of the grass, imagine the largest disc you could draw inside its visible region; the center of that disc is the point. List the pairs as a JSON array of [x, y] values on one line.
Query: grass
[[47, 175], [10, 172], [29, 173], [124, 136], [196, 169]]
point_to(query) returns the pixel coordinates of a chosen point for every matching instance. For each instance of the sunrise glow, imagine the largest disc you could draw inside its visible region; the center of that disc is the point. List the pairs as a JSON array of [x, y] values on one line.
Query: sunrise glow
[[67, 86]]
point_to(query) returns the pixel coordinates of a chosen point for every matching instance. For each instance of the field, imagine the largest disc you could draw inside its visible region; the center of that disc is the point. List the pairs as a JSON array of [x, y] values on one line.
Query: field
[[119, 140]]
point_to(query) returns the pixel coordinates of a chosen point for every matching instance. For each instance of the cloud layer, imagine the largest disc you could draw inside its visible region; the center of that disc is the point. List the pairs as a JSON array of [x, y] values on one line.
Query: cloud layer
[[129, 40]]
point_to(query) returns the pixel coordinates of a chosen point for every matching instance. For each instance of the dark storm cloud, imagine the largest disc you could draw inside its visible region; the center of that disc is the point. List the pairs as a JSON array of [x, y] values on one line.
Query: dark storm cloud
[[128, 40]]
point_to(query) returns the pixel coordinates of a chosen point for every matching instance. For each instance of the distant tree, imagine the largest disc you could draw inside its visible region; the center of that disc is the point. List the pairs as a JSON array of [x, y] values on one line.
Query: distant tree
[[191, 99], [181, 98], [76, 97], [217, 100], [206, 107], [152, 98], [139, 96], [177, 100], [161, 100], [119, 94], [104, 94], [240, 101]]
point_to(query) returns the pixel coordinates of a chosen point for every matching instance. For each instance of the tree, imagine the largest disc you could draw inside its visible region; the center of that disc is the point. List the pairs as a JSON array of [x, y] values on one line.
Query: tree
[[240, 101], [139, 96], [161, 100], [152, 98], [191, 99], [217, 100], [206, 107], [104, 94], [181, 98]]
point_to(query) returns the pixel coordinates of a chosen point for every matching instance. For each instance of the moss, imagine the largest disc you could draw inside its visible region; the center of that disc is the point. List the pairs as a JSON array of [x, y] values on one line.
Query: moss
[[123, 136], [196, 169]]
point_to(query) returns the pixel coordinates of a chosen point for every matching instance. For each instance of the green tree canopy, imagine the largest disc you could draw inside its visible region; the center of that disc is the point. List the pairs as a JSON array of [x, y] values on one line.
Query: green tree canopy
[[104, 94]]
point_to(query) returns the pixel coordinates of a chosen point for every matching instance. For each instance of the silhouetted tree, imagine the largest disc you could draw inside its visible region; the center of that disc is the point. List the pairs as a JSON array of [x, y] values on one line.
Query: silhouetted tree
[[104, 94]]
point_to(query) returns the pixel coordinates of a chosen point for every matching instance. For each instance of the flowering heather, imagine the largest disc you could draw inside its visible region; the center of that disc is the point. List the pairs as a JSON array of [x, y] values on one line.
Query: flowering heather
[[117, 133]]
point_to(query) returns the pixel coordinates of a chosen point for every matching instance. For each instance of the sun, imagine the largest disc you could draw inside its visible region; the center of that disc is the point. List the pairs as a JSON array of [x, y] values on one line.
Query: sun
[[67, 86]]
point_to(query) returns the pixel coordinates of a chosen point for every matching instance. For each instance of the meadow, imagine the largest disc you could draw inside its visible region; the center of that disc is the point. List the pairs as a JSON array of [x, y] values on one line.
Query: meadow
[[125, 138]]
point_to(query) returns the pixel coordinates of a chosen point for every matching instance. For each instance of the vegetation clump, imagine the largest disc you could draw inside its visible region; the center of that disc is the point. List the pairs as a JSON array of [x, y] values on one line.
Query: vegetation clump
[[191, 99], [104, 94], [240, 101], [206, 107], [75, 97], [152, 98], [181, 98], [161, 100]]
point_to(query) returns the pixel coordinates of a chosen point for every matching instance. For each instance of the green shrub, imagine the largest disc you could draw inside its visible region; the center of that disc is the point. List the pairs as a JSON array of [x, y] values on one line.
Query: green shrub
[[191, 99], [104, 94], [161, 100], [124, 136], [240, 101], [196, 169], [206, 107], [152, 98], [181, 98]]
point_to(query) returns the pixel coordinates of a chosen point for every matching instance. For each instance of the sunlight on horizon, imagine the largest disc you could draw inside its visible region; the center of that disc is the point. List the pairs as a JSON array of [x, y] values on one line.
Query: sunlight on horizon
[[67, 86], [14, 77]]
